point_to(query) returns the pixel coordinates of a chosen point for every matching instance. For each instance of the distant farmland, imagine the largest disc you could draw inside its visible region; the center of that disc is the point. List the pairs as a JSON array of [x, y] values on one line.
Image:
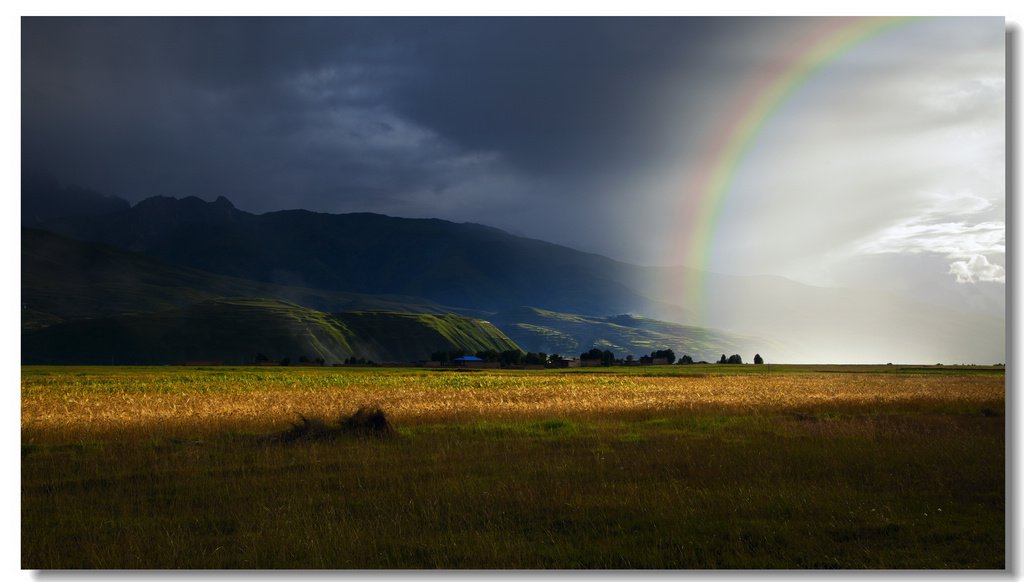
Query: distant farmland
[[664, 467]]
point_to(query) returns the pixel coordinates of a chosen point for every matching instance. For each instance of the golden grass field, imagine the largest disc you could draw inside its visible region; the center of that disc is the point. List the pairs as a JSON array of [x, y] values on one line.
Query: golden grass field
[[58, 405], [664, 468]]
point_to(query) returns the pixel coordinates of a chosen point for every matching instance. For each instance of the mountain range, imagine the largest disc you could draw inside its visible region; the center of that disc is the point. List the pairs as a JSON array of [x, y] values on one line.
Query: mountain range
[[164, 253]]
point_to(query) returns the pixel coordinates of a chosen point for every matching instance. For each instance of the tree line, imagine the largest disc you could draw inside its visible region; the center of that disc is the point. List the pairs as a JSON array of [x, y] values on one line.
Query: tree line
[[606, 357], [519, 358], [736, 359]]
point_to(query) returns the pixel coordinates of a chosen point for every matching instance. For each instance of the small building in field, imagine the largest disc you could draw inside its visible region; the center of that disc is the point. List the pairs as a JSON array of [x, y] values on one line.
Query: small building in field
[[474, 362]]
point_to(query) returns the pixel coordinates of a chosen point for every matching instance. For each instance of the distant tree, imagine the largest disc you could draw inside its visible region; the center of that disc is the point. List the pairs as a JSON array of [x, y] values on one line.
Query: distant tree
[[321, 361], [667, 354], [511, 357], [629, 359], [723, 360], [686, 360], [303, 359], [554, 358], [488, 355], [261, 357], [758, 359], [535, 359], [286, 361], [606, 357], [735, 359]]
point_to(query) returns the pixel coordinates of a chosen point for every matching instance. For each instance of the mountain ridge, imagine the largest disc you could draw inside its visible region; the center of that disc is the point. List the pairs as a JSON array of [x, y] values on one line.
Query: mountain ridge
[[478, 269], [467, 265]]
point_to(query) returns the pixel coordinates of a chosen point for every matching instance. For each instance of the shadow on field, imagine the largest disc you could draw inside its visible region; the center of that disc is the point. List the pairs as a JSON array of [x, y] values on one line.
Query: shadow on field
[[367, 422]]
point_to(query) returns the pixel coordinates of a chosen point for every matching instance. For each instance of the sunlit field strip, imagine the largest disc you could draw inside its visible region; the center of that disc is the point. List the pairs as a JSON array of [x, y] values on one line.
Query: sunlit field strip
[[59, 405]]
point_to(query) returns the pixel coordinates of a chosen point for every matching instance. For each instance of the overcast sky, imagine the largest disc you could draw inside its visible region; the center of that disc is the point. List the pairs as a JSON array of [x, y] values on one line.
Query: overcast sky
[[883, 169]]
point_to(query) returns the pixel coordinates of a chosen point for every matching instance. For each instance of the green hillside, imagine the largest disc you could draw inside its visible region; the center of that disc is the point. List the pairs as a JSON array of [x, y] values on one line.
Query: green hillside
[[235, 330], [107, 304], [414, 336], [537, 330]]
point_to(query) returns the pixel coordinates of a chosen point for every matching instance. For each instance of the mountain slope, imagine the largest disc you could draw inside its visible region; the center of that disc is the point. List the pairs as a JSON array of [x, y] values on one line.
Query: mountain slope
[[465, 265], [44, 198], [236, 330], [66, 279]]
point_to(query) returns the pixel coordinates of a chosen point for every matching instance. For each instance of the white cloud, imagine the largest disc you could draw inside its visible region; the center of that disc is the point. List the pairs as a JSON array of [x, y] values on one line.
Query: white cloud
[[940, 227], [978, 96], [977, 269], [956, 239], [959, 202]]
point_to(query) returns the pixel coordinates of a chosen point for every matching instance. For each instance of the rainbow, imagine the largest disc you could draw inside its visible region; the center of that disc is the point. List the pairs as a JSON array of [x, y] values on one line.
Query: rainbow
[[703, 197]]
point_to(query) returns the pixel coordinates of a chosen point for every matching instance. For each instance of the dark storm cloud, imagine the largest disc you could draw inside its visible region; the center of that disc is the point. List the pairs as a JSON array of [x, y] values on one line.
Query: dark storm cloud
[[211, 98], [549, 91], [320, 112]]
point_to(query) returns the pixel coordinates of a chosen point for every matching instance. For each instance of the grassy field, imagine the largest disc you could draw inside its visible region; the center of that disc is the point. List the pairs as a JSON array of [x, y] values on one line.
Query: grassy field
[[683, 468]]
